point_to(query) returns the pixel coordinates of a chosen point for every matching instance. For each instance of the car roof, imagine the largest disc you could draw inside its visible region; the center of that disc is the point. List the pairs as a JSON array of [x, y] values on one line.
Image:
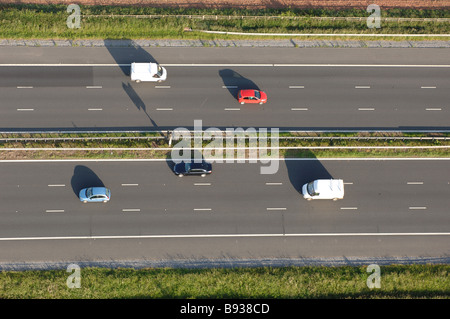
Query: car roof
[[197, 165], [246, 93], [99, 190]]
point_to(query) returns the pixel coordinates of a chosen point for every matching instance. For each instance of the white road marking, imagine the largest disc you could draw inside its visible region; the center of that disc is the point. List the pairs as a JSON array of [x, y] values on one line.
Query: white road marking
[[225, 236], [94, 87], [130, 184], [299, 109], [56, 185], [164, 109], [131, 210], [276, 208], [54, 210], [232, 109], [229, 87], [348, 183], [234, 64], [162, 86], [24, 87], [202, 209], [349, 208], [95, 109], [427, 87], [366, 109], [414, 183], [362, 87], [433, 109], [296, 87], [274, 184], [202, 184], [24, 110], [235, 159], [417, 207]]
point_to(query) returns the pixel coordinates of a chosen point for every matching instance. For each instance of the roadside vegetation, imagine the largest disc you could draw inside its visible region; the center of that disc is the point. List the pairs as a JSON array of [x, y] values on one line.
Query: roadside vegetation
[[159, 146], [396, 281], [110, 22]]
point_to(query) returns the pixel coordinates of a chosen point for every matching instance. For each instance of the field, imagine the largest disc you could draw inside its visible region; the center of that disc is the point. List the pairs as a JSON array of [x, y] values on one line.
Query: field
[[253, 4]]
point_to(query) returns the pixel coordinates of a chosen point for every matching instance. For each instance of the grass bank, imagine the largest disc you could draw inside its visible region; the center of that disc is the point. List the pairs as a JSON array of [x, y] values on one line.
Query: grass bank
[[49, 21], [396, 281]]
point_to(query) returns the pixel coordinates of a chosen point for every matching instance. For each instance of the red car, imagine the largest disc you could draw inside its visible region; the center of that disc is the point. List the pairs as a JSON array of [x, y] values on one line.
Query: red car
[[252, 96]]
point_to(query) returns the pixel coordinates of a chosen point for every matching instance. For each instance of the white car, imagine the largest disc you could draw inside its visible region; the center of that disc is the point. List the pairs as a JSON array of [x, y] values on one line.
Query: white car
[[148, 72], [324, 189]]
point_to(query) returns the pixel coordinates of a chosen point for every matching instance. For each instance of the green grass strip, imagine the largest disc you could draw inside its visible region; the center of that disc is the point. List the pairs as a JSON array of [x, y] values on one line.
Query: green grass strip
[[396, 281], [49, 21]]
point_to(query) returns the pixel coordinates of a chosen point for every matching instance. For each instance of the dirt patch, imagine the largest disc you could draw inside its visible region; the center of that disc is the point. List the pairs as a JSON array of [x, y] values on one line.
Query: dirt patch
[[255, 4]]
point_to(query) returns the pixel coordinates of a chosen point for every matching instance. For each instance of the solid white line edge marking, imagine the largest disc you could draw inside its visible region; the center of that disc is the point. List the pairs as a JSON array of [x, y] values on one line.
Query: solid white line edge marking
[[232, 64], [236, 159], [224, 236]]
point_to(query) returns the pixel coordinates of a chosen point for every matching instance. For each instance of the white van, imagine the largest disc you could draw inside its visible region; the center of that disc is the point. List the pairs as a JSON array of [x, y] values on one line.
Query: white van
[[324, 189], [149, 72]]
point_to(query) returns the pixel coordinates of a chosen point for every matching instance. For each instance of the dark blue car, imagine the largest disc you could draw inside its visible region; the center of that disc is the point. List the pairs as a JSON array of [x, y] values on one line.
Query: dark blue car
[[192, 168]]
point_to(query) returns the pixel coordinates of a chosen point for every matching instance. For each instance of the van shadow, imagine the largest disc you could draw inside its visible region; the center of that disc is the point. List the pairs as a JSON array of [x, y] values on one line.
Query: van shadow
[[127, 51], [124, 53], [234, 82], [84, 177], [305, 170]]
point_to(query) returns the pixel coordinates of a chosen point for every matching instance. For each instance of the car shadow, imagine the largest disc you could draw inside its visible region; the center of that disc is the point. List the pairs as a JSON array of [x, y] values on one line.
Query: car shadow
[[234, 82], [84, 177], [304, 169]]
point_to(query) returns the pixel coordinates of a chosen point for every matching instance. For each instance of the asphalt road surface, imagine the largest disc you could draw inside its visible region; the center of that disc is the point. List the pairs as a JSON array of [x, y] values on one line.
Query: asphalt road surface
[[399, 90], [391, 208]]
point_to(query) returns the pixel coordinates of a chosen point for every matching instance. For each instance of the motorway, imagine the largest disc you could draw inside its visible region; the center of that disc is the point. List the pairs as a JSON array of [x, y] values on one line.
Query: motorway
[[392, 208], [375, 96]]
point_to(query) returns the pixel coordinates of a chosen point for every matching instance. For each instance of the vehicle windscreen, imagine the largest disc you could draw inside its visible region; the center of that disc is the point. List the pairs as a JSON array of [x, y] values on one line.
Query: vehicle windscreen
[[89, 192], [310, 189], [160, 70], [257, 94]]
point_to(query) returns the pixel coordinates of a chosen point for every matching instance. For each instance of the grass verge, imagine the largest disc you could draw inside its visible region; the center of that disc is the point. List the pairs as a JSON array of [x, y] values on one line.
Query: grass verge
[[397, 281], [49, 21]]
